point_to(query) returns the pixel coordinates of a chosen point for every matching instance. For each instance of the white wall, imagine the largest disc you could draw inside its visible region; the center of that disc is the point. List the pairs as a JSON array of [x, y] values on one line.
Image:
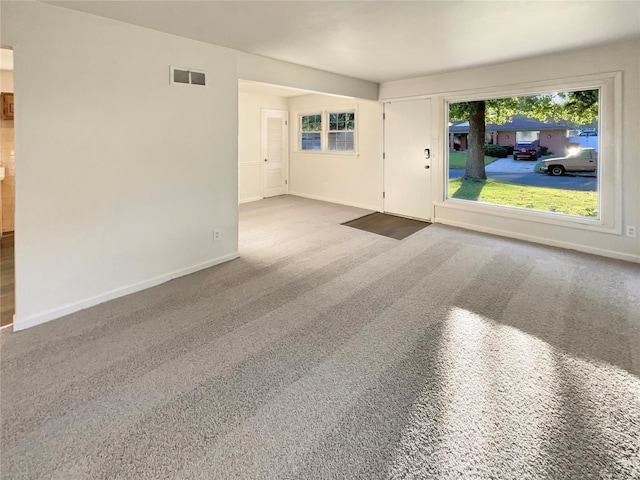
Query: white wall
[[622, 57], [6, 80], [121, 177], [117, 171], [347, 179], [250, 162]]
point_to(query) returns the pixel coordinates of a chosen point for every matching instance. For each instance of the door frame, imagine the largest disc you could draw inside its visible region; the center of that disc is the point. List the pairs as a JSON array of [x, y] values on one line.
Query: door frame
[[264, 114]]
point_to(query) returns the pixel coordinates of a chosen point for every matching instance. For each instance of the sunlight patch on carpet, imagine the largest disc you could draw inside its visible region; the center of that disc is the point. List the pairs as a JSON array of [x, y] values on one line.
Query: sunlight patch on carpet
[[505, 397]]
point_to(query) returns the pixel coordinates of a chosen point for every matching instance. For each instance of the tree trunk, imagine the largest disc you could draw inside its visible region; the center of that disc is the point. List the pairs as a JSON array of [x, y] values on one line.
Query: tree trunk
[[475, 156]]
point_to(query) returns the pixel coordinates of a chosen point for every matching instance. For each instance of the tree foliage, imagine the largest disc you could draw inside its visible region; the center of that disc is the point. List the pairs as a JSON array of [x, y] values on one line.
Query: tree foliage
[[577, 107]]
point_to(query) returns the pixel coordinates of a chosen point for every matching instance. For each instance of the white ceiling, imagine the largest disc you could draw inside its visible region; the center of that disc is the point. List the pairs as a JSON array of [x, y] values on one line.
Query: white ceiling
[[383, 40]]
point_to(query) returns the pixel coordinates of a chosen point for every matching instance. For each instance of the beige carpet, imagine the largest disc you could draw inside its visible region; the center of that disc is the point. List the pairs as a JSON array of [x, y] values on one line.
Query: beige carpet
[[327, 352]]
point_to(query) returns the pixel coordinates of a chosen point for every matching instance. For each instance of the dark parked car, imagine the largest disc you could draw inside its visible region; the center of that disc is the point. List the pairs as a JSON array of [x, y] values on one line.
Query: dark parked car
[[528, 150]]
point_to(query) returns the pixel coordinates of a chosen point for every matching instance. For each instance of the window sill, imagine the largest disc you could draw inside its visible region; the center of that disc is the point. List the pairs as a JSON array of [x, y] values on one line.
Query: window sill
[[561, 220]]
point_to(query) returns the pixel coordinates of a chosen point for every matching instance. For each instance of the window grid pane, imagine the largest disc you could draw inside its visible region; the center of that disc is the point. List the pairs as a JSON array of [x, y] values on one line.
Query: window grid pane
[[340, 135], [311, 123], [342, 121], [341, 142], [310, 141]]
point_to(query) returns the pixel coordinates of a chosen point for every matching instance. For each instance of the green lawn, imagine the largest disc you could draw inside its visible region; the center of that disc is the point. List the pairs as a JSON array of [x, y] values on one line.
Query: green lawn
[[459, 159], [572, 202]]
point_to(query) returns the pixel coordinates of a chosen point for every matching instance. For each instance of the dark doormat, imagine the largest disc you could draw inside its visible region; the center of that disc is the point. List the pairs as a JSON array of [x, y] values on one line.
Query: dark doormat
[[387, 225]]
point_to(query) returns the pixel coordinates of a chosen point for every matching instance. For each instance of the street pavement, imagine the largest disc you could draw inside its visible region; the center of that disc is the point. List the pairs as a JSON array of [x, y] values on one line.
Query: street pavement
[[521, 172]]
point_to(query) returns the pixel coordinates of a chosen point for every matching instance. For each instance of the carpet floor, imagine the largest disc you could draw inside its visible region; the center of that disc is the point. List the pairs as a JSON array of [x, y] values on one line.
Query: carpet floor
[[327, 352]]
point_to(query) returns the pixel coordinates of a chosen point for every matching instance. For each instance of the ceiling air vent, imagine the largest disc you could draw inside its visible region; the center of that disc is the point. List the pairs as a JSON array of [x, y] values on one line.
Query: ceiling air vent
[[186, 76]]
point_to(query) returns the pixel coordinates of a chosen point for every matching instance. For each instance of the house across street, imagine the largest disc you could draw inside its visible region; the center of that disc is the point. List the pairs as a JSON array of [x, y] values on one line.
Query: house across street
[[552, 136]]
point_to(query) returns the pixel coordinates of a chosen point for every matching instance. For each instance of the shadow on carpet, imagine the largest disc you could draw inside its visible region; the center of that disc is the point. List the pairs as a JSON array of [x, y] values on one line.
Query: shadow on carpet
[[388, 225]]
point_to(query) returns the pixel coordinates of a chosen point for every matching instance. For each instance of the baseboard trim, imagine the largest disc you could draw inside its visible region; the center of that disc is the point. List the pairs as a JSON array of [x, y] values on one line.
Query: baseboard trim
[[46, 316], [544, 241], [247, 200], [339, 202]]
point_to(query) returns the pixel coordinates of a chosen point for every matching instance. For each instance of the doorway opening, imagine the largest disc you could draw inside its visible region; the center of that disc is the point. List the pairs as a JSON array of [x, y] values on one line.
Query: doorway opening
[[7, 190], [263, 139]]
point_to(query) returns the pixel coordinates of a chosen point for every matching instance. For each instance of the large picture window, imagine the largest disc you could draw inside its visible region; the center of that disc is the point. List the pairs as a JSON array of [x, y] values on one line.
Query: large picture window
[[330, 131], [537, 152], [546, 152]]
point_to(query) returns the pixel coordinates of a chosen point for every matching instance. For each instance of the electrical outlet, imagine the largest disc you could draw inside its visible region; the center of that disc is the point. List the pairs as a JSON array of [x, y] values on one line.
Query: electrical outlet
[[216, 235], [631, 231]]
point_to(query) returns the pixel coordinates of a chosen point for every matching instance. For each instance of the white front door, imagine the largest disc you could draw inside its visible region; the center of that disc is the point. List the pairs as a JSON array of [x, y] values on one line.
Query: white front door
[[275, 138], [407, 172]]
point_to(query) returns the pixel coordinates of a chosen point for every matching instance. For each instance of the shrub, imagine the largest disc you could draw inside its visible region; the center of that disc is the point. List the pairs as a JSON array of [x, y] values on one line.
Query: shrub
[[544, 151], [497, 151]]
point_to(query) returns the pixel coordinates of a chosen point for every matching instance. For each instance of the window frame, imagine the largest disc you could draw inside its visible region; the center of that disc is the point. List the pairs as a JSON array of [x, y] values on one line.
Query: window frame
[[330, 131], [324, 112], [609, 180]]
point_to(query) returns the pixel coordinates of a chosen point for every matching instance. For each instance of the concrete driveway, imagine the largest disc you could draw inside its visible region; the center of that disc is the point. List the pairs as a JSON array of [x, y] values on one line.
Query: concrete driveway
[[510, 166], [521, 172]]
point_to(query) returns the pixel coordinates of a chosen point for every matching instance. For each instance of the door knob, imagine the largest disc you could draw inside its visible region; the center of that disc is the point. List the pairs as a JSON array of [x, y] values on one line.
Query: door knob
[[427, 153], [265, 160], [426, 167]]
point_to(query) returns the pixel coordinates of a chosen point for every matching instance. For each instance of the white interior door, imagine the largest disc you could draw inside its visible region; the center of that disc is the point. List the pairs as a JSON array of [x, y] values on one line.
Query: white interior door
[[275, 152], [407, 172]]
